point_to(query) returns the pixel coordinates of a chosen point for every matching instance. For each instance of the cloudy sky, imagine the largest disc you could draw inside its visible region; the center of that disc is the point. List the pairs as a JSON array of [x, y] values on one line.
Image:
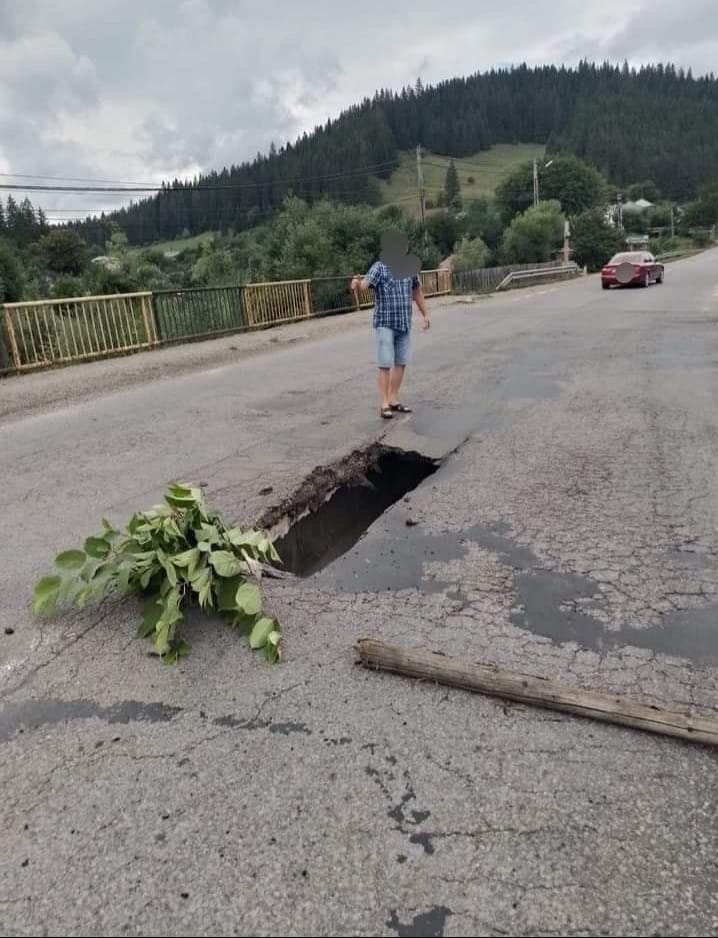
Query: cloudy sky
[[140, 91]]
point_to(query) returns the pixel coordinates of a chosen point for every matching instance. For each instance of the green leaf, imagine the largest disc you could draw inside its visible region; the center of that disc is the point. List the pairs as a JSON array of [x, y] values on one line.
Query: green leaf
[[249, 599], [204, 546], [70, 559], [273, 648], [273, 554], [167, 566], [183, 496], [188, 558], [260, 632], [209, 533], [172, 528], [226, 592], [225, 563], [163, 636], [110, 532], [205, 596], [46, 593], [97, 547], [180, 649], [124, 572], [241, 538], [150, 617], [84, 595]]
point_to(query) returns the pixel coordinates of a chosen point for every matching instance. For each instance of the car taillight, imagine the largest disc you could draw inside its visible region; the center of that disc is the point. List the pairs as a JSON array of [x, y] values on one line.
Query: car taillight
[[637, 268]]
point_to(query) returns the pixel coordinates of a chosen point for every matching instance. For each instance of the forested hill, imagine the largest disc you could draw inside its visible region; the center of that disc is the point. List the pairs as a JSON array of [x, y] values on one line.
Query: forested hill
[[656, 123]]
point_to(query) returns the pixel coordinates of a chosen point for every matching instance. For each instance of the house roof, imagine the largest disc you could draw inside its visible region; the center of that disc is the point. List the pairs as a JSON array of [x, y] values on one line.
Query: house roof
[[637, 206]]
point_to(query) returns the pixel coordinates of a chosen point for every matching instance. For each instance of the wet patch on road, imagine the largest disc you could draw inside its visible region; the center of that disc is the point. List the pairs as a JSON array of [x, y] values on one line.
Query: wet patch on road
[[31, 714], [429, 924], [557, 606]]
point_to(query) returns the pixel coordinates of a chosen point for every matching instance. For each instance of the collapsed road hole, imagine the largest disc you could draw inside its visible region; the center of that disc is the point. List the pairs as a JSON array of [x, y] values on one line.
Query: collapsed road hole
[[336, 505]]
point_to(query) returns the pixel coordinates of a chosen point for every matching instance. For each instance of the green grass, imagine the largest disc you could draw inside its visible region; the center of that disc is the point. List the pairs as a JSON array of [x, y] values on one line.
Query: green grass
[[478, 174], [179, 244]]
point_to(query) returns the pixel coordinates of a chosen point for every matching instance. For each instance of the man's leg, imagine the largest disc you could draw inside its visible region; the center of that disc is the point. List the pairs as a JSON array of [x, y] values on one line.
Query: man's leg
[[385, 386], [397, 375], [402, 347], [385, 361]]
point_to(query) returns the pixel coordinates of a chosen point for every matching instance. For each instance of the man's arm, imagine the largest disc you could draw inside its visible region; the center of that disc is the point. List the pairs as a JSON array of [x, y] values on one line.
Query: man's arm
[[418, 295], [371, 279], [359, 283]]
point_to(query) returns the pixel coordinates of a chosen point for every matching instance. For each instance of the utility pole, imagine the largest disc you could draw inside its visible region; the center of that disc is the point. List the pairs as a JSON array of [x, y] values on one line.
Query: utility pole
[[673, 227], [619, 208], [536, 187], [566, 242], [422, 201]]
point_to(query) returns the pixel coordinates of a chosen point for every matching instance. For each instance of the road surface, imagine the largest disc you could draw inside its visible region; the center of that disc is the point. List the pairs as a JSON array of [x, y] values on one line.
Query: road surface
[[571, 534]]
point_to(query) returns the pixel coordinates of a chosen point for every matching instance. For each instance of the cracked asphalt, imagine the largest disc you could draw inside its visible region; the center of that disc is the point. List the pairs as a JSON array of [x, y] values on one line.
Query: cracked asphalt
[[570, 532]]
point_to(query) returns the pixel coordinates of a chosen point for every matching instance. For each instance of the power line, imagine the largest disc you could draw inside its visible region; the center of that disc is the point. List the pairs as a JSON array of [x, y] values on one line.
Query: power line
[[192, 187]]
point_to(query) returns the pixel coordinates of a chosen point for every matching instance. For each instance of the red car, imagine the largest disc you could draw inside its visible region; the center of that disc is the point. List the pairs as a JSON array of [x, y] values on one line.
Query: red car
[[637, 268]]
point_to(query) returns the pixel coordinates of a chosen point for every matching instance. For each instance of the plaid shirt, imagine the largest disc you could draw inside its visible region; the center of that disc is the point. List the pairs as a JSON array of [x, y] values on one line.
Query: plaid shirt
[[393, 298]]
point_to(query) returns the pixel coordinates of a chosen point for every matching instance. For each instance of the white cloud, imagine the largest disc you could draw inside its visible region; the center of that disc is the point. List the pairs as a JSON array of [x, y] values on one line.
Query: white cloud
[[130, 90]]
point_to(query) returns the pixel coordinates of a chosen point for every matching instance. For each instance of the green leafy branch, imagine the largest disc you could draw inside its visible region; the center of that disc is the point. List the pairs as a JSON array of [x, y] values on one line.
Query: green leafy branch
[[174, 555]]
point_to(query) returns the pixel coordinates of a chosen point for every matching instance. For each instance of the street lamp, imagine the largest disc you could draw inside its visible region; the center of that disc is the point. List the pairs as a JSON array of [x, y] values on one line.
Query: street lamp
[[536, 183]]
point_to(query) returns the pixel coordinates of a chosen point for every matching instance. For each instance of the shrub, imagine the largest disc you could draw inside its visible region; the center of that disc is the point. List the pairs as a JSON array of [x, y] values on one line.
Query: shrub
[[176, 554]]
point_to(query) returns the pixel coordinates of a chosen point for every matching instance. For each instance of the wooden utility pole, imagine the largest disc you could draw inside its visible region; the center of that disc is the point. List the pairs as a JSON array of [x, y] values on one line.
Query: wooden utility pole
[[673, 227], [566, 242], [536, 184], [422, 200], [537, 691]]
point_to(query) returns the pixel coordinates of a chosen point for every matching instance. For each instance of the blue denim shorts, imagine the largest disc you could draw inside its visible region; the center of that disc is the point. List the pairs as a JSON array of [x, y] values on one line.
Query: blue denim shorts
[[392, 347]]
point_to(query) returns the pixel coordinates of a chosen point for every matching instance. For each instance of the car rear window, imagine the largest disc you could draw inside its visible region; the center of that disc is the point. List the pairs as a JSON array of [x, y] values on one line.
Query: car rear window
[[633, 257]]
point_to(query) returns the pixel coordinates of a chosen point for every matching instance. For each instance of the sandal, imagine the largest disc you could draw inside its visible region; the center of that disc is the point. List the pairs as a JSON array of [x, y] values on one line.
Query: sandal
[[400, 408], [386, 413]]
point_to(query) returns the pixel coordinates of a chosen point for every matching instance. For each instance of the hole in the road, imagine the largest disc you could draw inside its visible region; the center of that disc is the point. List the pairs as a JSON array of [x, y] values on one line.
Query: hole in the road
[[339, 504]]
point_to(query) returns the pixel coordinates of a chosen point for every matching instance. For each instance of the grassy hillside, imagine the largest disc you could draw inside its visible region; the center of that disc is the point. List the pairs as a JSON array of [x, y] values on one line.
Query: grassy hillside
[[180, 244], [478, 174]]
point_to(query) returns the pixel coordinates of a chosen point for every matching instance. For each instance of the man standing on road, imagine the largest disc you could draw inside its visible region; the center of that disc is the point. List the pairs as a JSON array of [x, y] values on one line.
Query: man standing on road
[[392, 317]]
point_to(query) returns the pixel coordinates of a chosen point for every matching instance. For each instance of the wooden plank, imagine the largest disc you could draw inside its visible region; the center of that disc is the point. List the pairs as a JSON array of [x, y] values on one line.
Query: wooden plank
[[540, 692]]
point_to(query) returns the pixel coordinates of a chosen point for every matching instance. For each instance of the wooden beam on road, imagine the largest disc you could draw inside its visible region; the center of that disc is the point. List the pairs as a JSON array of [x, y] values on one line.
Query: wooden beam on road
[[536, 691]]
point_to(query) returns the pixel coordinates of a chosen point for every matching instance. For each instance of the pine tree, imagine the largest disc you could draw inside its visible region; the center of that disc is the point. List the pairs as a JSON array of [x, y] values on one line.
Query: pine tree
[[452, 188]]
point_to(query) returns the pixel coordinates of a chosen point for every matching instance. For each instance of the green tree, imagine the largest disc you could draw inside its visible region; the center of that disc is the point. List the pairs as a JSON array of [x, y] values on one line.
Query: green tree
[[659, 216], [635, 222], [67, 286], [11, 274], [532, 236], [444, 229], [594, 241], [64, 251], [482, 219], [471, 254], [214, 268], [570, 181], [703, 212], [644, 190], [452, 187]]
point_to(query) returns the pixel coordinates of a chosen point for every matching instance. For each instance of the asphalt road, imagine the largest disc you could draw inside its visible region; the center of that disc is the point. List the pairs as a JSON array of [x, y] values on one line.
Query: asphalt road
[[572, 534]]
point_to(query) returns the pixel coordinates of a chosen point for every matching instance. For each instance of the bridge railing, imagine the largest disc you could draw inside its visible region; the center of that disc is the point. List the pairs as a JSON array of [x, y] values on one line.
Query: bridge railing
[[41, 333]]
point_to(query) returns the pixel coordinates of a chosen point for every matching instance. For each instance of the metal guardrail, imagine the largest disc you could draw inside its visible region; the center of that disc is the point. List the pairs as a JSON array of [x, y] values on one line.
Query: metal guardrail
[[41, 333], [52, 332], [514, 275], [674, 255], [486, 279]]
